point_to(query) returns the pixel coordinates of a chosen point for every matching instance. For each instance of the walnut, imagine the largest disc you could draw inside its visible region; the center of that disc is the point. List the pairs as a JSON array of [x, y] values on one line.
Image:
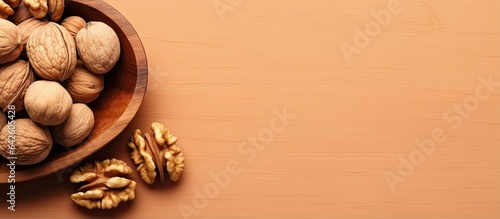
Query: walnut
[[47, 103], [5, 10], [28, 26], [76, 128], [52, 52], [73, 24], [15, 78], [32, 142], [13, 3], [148, 153], [38, 8], [84, 86], [3, 120], [56, 9], [106, 186], [21, 13], [98, 47], [10, 41]]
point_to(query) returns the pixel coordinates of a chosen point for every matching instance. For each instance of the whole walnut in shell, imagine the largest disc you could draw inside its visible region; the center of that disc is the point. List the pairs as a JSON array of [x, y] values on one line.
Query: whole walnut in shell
[[10, 42], [84, 86], [76, 128], [32, 142], [28, 26], [98, 47], [52, 52], [15, 78], [73, 24], [47, 103]]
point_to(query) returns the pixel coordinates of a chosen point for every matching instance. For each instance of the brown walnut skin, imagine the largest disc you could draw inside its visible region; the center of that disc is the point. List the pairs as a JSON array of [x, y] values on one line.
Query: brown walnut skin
[[15, 78], [10, 42], [33, 142], [47, 103], [52, 52]]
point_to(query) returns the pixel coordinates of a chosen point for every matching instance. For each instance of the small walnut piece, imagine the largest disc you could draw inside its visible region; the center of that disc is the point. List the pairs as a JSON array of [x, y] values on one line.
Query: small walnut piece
[[107, 185], [73, 24], [98, 47], [38, 8], [52, 52], [141, 155], [10, 41], [15, 78], [28, 26], [76, 128], [47, 103], [5, 10], [172, 152], [159, 151], [13, 3], [84, 86], [33, 142]]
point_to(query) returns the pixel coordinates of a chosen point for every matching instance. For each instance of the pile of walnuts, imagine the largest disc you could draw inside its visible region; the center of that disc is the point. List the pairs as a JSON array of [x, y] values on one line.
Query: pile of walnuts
[[51, 71]]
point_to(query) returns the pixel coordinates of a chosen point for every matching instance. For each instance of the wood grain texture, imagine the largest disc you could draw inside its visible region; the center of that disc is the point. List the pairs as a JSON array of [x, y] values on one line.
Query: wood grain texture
[[216, 83]]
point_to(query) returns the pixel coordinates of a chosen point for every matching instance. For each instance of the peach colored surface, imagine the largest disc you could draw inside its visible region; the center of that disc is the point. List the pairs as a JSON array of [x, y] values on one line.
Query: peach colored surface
[[222, 78]]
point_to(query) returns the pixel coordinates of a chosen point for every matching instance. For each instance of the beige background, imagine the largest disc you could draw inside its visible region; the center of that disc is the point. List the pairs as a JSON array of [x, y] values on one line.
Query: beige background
[[215, 83]]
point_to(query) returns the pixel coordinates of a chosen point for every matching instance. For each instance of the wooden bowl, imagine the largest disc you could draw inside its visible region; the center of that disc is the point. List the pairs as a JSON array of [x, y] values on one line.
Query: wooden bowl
[[124, 89]]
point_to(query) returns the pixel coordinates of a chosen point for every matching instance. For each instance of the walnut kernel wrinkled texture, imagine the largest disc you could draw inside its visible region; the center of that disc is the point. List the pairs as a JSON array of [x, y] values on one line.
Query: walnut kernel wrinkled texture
[[33, 142], [141, 155], [73, 24], [5, 10], [52, 52], [47, 103], [107, 185], [84, 86], [157, 152], [172, 152], [10, 41], [15, 78], [76, 128], [98, 47], [38, 8]]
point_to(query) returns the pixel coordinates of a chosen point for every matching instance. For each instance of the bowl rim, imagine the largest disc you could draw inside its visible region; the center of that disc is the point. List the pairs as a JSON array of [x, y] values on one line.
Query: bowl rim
[[61, 162]]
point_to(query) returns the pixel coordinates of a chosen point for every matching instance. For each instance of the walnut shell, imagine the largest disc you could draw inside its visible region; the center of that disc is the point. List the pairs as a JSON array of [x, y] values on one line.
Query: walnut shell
[[47, 103], [98, 47], [84, 86], [32, 142], [73, 24], [15, 78], [3, 120], [28, 26], [52, 52], [10, 41], [76, 128]]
